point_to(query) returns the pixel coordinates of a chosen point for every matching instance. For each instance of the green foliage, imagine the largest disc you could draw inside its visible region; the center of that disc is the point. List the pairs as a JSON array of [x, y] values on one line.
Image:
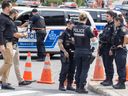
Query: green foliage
[[80, 2], [47, 2]]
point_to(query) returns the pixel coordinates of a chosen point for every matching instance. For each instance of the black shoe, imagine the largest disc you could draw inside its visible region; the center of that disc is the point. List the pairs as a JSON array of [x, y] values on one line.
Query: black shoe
[[23, 83], [107, 83], [6, 83], [70, 88], [119, 85], [81, 90], [7, 87], [62, 88]]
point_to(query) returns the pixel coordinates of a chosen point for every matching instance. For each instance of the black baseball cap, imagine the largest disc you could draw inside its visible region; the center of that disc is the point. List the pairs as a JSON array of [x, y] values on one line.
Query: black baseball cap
[[69, 22], [34, 10]]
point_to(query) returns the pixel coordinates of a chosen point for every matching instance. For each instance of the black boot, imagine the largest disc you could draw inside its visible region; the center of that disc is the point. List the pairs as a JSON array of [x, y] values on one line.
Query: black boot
[[81, 89], [61, 87], [7, 87], [107, 82], [119, 85], [69, 87], [77, 87]]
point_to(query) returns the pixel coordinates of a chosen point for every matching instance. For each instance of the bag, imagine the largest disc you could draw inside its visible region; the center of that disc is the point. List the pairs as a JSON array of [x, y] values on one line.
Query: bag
[[126, 39]]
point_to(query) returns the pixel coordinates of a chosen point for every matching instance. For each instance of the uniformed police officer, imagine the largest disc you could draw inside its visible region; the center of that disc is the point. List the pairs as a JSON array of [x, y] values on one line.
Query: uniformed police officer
[[66, 45], [82, 36], [120, 52], [104, 48], [38, 24]]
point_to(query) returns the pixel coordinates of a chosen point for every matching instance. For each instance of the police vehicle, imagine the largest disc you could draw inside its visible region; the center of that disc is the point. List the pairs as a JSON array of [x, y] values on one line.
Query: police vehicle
[[99, 16], [55, 19]]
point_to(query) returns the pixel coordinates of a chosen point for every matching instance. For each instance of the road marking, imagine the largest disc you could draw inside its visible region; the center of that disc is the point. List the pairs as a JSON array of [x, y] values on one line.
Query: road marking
[[14, 93], [61, 94]]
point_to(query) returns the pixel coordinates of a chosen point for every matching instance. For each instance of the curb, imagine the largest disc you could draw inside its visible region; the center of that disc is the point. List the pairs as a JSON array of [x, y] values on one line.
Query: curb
[[103, 91]]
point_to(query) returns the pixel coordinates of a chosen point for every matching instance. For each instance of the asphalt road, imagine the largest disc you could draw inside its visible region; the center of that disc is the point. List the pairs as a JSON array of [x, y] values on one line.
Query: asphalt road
[[39, 89]]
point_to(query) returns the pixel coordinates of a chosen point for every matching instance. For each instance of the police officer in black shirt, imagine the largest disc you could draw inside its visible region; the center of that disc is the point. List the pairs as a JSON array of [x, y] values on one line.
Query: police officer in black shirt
[[120, 52], [82, 36], [104, 48], [38, 24], [66, 44]]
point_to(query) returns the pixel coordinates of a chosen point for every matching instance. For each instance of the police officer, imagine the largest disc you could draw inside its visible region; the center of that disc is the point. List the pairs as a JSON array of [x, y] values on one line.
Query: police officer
[[38, 24], [120, 52], [82, 36], [66, 44], [104, 48]]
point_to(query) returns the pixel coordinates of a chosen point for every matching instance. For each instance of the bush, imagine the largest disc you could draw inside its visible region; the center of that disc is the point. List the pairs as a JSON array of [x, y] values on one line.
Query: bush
[[48, 2]]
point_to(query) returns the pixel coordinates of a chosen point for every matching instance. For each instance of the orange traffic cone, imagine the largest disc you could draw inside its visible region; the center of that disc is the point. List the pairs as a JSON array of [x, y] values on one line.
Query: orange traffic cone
[[99, 71], [27, 73], [46, 76]]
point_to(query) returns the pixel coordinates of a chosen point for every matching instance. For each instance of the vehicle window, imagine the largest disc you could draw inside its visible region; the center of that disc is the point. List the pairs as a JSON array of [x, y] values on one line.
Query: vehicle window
[[73, 16], [94, 15], [53, 18], [102, 17], [124, 12], [98, 16], [24, 17]]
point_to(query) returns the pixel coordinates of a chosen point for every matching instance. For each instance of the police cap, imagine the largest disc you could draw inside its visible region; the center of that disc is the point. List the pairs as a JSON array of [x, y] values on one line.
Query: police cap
[[69, 22], [34, 10]]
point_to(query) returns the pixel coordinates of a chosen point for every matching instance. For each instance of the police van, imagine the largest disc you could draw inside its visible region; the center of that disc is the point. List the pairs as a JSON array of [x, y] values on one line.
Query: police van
[[55, 19], [99, 16]]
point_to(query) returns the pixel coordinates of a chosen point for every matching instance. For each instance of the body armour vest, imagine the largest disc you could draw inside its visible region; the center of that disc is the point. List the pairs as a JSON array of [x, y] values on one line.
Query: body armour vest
[[81, 36]]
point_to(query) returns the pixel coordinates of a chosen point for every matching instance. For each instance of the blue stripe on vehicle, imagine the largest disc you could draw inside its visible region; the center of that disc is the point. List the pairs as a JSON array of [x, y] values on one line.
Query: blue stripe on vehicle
[[52, 38], [100, 27], [50, 41]]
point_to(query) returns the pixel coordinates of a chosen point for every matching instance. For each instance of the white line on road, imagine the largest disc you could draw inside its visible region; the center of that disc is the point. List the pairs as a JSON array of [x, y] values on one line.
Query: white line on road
[[14, 93], [60, 94]]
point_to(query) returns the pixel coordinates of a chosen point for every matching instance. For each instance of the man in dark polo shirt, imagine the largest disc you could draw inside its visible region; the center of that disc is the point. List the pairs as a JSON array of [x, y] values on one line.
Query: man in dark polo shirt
[[6, 36]]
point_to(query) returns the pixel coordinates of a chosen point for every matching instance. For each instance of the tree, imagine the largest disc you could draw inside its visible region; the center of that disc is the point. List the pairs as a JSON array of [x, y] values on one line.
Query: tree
[[79, 2]]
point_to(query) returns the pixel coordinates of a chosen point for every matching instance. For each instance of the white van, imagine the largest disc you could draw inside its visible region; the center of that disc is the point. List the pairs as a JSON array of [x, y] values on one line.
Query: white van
[[55, 20]]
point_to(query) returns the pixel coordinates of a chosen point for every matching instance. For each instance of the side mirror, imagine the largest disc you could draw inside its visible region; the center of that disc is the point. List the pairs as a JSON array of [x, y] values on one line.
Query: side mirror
[[18, 22]]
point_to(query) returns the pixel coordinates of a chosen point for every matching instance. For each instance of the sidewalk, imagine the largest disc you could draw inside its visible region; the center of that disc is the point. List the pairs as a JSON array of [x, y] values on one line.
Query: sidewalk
[[107, 91]]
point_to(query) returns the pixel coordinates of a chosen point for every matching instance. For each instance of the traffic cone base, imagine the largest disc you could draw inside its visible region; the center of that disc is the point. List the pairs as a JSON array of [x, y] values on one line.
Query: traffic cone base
[[99, 71], [46, 76]]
